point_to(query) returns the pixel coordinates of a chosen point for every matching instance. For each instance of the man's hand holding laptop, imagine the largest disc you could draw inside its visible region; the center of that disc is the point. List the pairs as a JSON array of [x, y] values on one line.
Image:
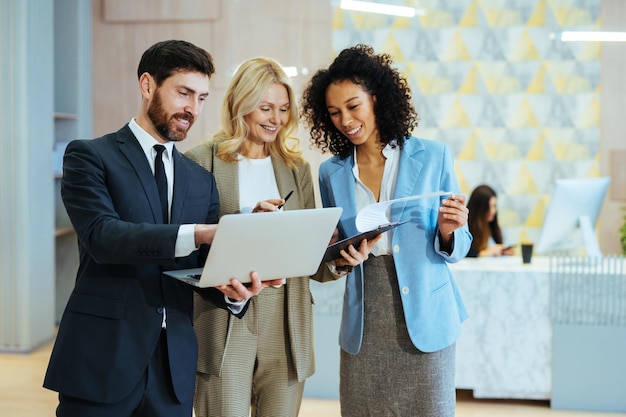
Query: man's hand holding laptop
[[236, 291]]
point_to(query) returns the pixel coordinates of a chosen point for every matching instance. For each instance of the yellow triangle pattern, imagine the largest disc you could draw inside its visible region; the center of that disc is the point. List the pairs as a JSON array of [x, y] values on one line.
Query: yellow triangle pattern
[[538, 213], [423, 74], [575, 152], [576, 84], [456, 117], [470, 18], [559, 11], [592, 51], [525, 116], [470, 83], [457, 51], [538, 84], [591, 116], [357, 20], [508, 217], [490, 73], [423, 20], [508, 18], [538, 18], [440, 85], [463, 184], [369, 21], [469, 152], [524, 237], [559, 147], [401, 23], [490, 149], [491, 14], [508, 85], [339, 19], [491, 141], [438, 19], [391, 46], [504, 151], [536, 151], [525, 49], [594, 171], [557, 134], [524, 183], [578, 17], [558, 72]]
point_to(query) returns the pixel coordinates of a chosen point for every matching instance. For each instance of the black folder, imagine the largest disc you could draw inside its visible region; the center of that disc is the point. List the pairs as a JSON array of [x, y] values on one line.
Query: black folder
[[333, 250]]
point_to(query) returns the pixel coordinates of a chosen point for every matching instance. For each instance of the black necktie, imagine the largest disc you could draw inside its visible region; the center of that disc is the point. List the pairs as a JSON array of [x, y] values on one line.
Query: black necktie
[[161, 180]]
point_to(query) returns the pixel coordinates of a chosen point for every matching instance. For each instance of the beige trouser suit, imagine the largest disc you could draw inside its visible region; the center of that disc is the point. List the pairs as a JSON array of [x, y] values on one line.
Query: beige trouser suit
[[263, 359]]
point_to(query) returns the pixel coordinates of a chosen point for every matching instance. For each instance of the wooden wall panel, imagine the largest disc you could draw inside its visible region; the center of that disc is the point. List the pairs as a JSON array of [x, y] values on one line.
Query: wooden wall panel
[[612, 135], [159, 10], [617, 171]]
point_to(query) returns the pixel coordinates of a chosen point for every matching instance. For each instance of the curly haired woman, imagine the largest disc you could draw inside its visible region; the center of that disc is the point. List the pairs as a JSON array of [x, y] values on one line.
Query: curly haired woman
[[402, 311]]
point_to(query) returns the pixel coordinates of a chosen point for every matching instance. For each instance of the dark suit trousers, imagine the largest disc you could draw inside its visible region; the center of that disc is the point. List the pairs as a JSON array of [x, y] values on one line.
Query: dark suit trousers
[[153, 396]]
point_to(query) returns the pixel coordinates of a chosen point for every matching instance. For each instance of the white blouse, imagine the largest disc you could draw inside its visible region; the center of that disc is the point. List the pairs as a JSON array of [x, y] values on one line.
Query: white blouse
[[364, 195], [257, 182]]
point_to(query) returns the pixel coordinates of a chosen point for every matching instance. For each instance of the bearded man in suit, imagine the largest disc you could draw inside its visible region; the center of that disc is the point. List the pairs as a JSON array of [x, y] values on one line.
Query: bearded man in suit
[[126, 345]]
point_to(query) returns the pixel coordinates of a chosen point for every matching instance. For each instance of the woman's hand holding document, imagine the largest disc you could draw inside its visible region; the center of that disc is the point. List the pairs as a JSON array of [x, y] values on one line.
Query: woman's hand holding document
[[371, 221], [375, 215]]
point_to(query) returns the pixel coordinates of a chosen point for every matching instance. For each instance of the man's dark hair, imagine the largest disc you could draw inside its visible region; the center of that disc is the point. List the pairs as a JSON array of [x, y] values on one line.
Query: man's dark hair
[[162, 59]]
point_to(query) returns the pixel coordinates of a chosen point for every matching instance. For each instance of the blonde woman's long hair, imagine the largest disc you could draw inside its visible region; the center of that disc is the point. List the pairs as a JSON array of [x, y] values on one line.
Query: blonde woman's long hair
[[245, 92]]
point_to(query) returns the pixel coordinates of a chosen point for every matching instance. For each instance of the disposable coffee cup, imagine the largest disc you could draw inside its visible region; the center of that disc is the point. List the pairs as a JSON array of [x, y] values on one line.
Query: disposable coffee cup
[[527, 252]]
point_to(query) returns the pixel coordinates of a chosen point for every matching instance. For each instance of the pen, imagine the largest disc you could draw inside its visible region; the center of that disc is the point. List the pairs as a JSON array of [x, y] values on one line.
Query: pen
[[286, 198]]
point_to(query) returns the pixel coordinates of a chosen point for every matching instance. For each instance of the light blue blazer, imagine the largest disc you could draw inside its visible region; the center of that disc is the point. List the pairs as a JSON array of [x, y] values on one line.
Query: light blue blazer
[[432, 305]]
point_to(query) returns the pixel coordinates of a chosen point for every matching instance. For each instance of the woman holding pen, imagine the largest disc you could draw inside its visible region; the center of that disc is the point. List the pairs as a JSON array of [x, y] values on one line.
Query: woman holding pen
[[258, 364], [402, 311]]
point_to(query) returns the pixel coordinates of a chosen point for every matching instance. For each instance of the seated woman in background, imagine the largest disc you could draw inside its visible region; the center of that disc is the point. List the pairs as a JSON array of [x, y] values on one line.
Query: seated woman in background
[[483, 224]]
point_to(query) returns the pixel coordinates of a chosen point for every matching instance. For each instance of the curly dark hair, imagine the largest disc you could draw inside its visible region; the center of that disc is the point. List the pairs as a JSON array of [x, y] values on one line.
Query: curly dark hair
[[393, 111]]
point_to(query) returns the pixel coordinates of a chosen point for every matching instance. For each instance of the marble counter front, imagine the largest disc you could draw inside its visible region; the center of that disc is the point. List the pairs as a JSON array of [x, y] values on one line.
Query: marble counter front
[[505, 346]]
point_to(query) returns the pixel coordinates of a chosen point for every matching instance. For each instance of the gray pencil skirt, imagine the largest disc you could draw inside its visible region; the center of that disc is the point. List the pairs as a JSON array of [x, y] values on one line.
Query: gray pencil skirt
[[389, 376]]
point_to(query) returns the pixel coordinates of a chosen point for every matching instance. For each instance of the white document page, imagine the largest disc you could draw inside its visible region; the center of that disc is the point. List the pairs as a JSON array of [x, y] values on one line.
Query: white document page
[[374, 215]]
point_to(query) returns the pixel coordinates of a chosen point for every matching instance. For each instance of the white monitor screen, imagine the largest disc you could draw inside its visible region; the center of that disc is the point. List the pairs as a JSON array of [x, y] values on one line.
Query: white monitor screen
[[572, 215]]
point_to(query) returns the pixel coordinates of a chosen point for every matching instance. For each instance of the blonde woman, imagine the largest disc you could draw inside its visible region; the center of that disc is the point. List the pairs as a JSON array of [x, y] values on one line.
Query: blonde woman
[[258, 364]]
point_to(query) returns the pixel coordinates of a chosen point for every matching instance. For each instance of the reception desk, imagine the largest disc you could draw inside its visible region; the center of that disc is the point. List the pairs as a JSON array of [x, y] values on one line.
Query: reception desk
[[534, 331], [505, 346]]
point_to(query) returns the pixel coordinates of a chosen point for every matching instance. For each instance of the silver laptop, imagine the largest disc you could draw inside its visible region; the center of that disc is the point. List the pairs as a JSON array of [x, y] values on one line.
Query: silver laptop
[[281, 244]]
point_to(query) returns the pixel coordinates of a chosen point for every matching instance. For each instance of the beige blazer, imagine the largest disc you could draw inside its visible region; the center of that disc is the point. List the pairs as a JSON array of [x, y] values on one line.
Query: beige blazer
[[213, 324]]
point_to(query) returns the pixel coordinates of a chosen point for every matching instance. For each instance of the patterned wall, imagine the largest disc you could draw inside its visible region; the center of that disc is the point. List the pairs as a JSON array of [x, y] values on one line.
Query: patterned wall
[[519, 107]]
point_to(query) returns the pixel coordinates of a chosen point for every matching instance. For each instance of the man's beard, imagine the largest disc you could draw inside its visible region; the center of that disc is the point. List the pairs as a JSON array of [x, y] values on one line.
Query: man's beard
[[162, 121]]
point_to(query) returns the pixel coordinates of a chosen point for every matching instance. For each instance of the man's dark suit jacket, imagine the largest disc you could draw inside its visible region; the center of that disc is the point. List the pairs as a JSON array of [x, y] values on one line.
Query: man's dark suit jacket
[[112, 321]]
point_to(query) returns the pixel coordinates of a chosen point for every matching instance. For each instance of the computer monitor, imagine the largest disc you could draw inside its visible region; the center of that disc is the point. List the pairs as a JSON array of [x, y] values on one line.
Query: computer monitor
[[572, 215]]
